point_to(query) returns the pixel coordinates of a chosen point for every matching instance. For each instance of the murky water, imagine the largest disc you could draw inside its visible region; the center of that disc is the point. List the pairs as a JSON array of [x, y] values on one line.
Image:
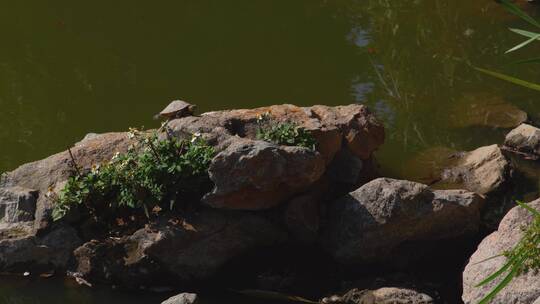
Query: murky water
[[68, 68]]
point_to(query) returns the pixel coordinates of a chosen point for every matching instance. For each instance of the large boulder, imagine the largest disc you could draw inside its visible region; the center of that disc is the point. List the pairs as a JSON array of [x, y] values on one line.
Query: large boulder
[[252, 175], [487, 260], [369, 224], [40, 176], [188, 249], [524, 140]]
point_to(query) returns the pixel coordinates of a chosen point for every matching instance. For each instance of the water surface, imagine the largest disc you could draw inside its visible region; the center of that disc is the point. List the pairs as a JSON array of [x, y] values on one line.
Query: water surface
[[69, 68]]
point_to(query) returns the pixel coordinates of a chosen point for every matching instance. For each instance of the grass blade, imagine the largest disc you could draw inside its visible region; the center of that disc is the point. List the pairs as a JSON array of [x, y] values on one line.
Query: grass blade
[[530, 60], [514, 9], [502, 283], [524, 32], [497, 273], [529, 208], [526, 42], [523, 83]]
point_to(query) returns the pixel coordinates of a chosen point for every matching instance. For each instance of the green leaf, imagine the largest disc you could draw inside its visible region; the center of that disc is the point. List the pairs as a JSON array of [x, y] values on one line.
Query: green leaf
[[514, 9], [523, 83], [526, 42], [524, 33]]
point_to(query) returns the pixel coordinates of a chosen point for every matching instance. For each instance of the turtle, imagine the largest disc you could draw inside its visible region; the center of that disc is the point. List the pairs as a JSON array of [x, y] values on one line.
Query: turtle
[[176, 109]]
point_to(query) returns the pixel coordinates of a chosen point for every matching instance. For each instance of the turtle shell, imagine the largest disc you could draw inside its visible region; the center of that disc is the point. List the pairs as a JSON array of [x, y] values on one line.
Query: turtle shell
[[177, 108]]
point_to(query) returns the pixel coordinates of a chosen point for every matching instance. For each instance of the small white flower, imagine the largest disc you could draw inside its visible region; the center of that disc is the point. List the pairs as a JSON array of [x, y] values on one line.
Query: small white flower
[[116, 155], [95, 168], [195, 137]]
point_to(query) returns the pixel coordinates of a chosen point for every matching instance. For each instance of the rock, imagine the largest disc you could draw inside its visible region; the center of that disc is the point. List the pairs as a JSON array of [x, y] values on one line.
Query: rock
[[384, 295], [17, 205], [350, 132], [51, 250], [183, 298], [189, 250], [522, 289], [369, 224], [41, 175], [483, 171], [484, 110], [537, 301], [265, 174], [524, 140], [302, 217]]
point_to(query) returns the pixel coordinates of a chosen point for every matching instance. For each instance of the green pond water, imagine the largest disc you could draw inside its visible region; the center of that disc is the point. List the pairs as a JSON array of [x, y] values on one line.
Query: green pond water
[[68, 68]]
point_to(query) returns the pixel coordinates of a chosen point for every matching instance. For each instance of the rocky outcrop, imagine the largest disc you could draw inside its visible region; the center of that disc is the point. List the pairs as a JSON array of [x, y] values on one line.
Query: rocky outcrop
[[248, 175], [524, 140], [183, 298], [522, 289], [260, 168], [380, 296], [369, 224]]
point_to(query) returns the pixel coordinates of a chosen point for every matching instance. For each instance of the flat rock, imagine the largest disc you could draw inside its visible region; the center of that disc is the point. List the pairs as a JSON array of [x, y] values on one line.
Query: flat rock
[[183, 298], [524, 140], [368, 224], [522, 289], [385, 295], [483, 171], [484, 110]]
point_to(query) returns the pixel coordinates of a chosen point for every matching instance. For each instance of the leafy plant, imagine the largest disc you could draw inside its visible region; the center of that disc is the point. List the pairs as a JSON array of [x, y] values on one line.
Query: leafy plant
[[531, 37], [284, 133], [154, 173], [524, 257]]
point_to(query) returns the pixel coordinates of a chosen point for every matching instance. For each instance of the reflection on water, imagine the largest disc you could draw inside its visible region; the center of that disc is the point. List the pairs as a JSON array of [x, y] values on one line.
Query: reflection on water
[[68, 68]]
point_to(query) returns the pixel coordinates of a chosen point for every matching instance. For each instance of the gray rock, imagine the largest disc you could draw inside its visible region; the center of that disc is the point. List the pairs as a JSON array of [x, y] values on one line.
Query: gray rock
[[525, 140], [54, 170], [17, 205], [369, 223], [254, 175], [522, 289], [183, 298], [386, 295], [55, 249]]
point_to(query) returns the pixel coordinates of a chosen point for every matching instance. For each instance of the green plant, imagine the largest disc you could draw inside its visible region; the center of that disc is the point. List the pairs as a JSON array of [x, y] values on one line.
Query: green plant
[[524, 257], [152, 173], [284, 133], [531, 37]]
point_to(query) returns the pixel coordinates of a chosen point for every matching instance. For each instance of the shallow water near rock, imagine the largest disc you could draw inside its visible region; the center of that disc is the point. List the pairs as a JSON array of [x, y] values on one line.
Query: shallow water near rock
[[68, 69]]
